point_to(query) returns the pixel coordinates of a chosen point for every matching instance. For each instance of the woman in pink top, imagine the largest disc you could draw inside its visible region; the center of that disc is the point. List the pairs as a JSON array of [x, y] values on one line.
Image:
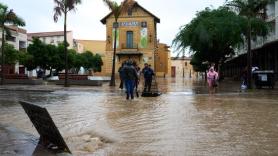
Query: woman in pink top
[[212, 77]]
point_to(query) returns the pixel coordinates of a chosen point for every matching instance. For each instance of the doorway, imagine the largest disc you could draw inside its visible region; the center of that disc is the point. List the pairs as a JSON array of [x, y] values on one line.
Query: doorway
[[173, 71]]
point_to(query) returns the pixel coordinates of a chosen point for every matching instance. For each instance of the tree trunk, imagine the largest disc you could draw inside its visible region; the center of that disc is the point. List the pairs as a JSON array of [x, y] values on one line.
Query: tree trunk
[[205, 76], [66, 51], [219, 65], [50, 74], [249, 57], [3, 56], [183, 72], [112, 81]]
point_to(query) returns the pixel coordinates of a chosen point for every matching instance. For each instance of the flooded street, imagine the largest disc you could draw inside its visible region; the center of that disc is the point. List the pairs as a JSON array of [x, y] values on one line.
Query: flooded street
[[184, 120]]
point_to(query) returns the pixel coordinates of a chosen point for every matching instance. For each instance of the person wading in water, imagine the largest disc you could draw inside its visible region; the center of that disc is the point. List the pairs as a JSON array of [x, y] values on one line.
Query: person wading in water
[[148, 75], [212, 77], [130, 76]]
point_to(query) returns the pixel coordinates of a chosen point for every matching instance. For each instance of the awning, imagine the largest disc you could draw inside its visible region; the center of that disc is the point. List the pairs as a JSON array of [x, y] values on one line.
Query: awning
[[129, 53]]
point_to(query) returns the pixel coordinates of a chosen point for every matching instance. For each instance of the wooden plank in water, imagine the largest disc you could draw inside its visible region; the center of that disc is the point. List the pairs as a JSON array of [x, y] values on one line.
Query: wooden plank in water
[[45, 126]]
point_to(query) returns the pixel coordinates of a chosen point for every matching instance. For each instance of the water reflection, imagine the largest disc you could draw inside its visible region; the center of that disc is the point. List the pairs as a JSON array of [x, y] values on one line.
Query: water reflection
[[183, 121]]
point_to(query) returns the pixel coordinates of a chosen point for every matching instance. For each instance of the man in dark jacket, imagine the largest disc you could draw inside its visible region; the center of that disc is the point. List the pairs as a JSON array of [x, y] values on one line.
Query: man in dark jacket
[[130, 75], [148, 74]]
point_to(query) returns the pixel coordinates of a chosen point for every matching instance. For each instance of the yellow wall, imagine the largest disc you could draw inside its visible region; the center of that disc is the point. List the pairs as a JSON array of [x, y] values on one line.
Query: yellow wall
[[162, 59], [96, 47], [138, 15], [105, 48]]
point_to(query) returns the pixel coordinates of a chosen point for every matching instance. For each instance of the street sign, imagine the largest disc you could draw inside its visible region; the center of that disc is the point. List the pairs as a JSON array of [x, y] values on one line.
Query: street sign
[[49, 133]]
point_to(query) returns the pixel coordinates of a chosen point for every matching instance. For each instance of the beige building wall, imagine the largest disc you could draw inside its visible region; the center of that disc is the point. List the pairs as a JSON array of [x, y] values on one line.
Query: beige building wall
[[181, 67], [96, 47], [55, 37], [162, 60]]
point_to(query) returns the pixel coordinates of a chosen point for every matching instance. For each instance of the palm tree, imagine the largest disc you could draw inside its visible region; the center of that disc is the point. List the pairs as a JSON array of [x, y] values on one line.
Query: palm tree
[[254, 11], [116, 10], [62, 8], [7, 16]]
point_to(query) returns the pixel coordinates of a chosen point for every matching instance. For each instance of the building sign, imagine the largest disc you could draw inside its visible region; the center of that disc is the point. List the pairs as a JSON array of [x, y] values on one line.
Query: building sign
[[143, 38], [129, 24]]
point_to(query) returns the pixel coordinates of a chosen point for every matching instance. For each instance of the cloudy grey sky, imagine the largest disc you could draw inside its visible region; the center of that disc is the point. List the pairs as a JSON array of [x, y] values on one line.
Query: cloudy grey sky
[[85, 22]]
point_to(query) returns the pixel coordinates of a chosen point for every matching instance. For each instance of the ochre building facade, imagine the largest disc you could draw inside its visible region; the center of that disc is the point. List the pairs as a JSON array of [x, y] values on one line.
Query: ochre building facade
[[136, 37]]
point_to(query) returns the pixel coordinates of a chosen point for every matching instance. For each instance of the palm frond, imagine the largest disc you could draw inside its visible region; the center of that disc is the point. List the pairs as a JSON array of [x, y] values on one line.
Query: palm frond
[[59, 3], [3, 12], [127, 4], [12, 18], [110, 4], [117, 9], [57, 13], [71, 4]]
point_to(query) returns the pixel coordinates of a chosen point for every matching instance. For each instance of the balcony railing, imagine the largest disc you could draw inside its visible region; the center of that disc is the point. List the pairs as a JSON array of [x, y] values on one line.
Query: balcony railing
[[261, 41], [129, 46]]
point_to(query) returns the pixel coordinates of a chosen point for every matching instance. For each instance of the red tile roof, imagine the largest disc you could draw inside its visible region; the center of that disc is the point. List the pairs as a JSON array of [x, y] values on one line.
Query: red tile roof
[[103, 20], [17, 29], [47, 34]]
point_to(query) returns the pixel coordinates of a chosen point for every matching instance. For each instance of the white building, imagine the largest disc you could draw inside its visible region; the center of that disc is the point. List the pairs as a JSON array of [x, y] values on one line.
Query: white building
[[264, 49], [272, 19], [18, 39], [54, 37]]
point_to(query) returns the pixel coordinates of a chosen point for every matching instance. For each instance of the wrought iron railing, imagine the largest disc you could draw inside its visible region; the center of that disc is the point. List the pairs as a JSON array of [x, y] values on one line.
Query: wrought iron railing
[[129, 46]]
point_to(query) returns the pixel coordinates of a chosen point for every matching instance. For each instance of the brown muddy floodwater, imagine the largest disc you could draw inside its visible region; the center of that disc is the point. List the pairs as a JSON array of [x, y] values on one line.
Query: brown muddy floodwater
[[182, 121]]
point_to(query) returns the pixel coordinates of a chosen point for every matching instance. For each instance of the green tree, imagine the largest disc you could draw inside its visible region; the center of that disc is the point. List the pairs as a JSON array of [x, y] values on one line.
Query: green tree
[[62, 8], [40, 54], [209, 36], [53, 57], [7, 16], [27, 60], [97, 63], [116, 10], [10, 54], [45, 56], [72, 58], [254, 11], [78, 62]]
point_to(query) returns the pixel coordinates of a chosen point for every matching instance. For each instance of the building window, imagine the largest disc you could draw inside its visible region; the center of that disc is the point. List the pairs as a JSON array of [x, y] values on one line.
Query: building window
[[22, 46], [129, 12], [10, 38], [185, 63], [144, 24], [129, 39]]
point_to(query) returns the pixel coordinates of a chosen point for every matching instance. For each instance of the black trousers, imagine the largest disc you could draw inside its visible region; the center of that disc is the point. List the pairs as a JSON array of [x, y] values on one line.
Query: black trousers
[[121, 84], [148, 84]]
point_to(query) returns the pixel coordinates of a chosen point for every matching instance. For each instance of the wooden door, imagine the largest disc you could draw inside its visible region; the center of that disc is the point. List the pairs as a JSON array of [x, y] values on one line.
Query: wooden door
[[173, 71]]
